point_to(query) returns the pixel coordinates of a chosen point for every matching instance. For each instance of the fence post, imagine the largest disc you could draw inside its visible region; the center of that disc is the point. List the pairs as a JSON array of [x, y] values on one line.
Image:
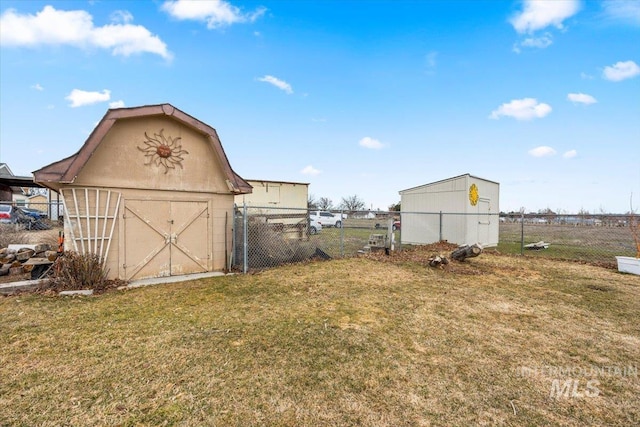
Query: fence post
[[245, 239], [341, 233], [522, 233], [234, 228], [440, 234], [400, 233]]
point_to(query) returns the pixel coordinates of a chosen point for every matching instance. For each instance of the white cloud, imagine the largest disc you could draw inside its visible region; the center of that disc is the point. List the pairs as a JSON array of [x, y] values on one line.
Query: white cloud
[[310, 170], [621, 71], [75, 28], [116, 104], [581, 98], [216, 13], [121, 17], [537, 15], [370, 143], [540, 42], [522, 109], [81, 98], [542, 151], [37, 87], [586, 76], [623, 11], [280, 84], [570, 154]]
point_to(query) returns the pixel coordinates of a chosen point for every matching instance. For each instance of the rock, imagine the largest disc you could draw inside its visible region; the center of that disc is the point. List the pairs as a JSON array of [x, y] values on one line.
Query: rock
[[24, 254], [7, 258], [51, 255], [13, 271], [79, 292]]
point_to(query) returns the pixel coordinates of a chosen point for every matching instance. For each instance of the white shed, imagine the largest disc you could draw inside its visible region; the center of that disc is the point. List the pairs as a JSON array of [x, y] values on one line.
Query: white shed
[[461, 210]]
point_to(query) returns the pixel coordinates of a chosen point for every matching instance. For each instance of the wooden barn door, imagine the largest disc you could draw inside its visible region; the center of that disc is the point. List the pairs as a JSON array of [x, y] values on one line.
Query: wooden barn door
[[166, 238]]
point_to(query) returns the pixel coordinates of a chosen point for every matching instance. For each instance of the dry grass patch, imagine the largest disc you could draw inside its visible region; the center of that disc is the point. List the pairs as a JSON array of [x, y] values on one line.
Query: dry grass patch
[[345, 342]]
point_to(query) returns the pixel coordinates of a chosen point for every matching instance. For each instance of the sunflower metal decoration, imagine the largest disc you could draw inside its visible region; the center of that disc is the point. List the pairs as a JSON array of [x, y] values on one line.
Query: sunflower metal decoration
[[163, 151], [473, 195]]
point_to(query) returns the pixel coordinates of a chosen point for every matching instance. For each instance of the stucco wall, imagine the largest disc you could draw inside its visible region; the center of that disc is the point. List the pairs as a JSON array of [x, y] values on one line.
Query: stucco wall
[[119, 162]]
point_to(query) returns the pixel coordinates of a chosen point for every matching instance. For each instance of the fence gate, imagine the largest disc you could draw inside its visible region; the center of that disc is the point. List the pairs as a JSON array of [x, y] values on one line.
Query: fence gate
[[166, 238]]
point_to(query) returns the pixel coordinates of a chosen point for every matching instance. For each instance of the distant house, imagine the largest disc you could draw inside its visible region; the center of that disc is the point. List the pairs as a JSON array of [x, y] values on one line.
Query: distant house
[[39, 202], [48, 202], [365, 215], [11, 186]]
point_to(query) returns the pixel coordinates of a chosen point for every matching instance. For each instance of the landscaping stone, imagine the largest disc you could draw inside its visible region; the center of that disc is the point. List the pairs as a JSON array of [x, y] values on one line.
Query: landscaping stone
[[84, 292], [16, 270]]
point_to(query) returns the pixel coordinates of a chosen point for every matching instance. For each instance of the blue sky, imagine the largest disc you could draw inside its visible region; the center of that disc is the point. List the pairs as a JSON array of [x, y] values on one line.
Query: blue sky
[[353, 97]]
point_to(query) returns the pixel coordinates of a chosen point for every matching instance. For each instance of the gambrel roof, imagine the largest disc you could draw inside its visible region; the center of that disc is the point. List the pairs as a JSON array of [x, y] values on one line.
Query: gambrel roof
[[65, 171]]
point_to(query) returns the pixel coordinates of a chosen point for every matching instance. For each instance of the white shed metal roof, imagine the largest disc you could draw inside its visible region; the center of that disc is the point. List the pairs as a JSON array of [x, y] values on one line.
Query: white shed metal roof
[[446, 180]]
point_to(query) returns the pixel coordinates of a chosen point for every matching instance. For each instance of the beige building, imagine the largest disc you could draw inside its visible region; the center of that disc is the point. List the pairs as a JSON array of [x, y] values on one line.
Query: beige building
[[39, 202], [151, 191], [280, 194], [281, 204]]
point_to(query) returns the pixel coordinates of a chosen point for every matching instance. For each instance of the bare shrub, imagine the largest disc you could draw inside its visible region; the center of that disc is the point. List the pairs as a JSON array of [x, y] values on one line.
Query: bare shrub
[[74, 271]]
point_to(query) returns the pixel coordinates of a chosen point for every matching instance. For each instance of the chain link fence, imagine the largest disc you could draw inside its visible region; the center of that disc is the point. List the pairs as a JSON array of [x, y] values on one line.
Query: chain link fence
[[591, 238], [267, 236], [31, 215]]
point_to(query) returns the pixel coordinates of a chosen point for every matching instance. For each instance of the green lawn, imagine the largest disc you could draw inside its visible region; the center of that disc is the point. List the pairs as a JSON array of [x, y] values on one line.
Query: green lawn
[[375, 341]]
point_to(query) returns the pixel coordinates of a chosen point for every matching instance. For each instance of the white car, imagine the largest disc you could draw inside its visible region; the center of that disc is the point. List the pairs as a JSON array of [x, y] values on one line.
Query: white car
[[314, 226], [326, 218]]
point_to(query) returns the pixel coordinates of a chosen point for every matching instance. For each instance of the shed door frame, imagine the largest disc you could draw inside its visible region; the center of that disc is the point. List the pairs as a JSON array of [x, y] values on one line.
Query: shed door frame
[[484, 220], [163, 227]]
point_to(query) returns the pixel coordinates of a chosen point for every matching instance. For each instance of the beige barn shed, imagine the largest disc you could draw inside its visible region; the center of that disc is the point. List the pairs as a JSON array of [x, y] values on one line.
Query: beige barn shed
[[151, 191]]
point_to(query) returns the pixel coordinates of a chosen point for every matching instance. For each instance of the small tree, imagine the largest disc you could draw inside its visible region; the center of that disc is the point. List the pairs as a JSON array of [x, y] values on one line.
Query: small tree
[[311, 202], [324, 203], [395, 207], [352, 203]]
